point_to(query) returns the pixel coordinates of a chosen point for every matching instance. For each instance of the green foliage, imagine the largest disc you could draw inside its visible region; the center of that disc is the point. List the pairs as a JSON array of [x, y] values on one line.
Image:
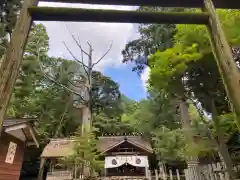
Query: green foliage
[[110, 125], [152, 113], [227, 125], [168, 144], [169, 67], [189, 69], [29, 78], [197, 34], [85, 151], [106, 96], [201, 76], [153, 37], [173, 145]]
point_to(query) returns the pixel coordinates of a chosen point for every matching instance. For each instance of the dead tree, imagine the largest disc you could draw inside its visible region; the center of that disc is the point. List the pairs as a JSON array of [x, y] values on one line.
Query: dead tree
[[81, 87]]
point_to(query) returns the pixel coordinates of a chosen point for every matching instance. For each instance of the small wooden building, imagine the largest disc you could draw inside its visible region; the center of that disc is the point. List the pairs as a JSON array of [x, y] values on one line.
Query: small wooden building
[[123, 156], [17, 134]]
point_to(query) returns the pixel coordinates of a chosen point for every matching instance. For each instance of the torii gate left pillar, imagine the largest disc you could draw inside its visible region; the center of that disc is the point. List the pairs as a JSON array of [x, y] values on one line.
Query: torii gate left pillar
[[13, 58]]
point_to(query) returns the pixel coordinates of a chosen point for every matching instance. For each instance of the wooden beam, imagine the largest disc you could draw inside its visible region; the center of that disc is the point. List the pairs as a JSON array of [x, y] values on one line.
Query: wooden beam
[[227, 4], [33, 136], [99, 15], [12, 60], [224, 58], [41, 168]]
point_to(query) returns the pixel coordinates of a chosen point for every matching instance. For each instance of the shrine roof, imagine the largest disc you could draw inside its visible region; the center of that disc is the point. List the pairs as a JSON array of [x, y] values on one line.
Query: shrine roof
[[64, 146], [14, 121], [59, 148], [23, 129], [107, 143]]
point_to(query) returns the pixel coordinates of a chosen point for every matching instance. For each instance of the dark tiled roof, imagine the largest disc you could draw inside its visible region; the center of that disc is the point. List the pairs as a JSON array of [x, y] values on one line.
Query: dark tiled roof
[[108, 142], [15, 121]]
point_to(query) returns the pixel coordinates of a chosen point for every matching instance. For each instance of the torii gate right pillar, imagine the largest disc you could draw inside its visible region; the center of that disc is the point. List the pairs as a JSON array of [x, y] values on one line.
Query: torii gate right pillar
[[224, 58]]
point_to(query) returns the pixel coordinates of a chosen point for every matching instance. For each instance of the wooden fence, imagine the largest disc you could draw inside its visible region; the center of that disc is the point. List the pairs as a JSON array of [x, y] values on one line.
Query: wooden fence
[[207, 172], [59, 175]]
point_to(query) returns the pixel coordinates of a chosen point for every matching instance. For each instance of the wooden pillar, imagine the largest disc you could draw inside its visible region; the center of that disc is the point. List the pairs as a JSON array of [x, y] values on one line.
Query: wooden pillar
[[41, 169], [146, 172], [163, 175], [170, 174], [12, 60], [156, 174], [178, 174], [105, 172], [224, 58], [149, 175]]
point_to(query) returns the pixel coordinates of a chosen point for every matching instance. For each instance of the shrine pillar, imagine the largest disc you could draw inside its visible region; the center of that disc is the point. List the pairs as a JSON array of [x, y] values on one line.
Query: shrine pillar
[[146, 172]]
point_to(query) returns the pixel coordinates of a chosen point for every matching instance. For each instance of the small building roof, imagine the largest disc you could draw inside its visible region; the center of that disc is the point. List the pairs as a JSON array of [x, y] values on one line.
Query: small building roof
[[15, 121], [21, 128], [59, 148], [65, 146]]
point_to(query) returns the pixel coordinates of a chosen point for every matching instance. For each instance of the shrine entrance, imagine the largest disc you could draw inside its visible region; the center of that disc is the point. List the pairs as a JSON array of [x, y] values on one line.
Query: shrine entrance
[[131, 165], [125, 156], [126, 170]]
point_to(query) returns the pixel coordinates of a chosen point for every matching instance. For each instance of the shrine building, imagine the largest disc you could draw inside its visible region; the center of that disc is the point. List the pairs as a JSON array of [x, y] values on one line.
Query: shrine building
[[123, 156], [16, 136]]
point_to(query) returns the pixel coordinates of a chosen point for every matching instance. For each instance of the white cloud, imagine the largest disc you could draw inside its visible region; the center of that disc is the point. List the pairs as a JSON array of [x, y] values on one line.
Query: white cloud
[[100, 35], [145, 76]]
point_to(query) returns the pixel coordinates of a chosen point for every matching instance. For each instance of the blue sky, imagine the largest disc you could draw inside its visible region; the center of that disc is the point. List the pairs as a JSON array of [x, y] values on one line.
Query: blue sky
[[130, 83]]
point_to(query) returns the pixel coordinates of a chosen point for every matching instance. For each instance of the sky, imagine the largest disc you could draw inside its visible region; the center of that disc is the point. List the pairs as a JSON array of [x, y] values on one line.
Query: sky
[[101, 36]]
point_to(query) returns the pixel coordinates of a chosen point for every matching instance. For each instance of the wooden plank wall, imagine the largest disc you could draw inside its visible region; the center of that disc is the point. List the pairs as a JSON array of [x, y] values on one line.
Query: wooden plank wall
[[10, 171]]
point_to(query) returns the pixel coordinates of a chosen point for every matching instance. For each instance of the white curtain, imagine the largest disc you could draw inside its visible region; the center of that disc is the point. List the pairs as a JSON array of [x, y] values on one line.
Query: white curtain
[[117, 161]]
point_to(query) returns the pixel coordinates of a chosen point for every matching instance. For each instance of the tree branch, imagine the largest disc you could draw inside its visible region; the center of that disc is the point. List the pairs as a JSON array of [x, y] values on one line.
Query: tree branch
[[82, 58], [103, 55], [78, 44], [63, 86], [80, 86], [90, 46], [75, 58]]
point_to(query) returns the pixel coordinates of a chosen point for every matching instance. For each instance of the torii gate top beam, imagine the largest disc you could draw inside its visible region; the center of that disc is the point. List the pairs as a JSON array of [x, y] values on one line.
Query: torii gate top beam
[[225, 4]]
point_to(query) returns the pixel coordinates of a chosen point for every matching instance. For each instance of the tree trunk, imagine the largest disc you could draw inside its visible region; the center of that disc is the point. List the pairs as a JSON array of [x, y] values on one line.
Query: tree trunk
[[86, 110], [12, 61], [192, 162], [224, 57], [221, 144]]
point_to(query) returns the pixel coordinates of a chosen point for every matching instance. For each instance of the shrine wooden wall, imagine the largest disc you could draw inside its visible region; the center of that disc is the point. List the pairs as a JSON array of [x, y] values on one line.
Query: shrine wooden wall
[[10, 171]]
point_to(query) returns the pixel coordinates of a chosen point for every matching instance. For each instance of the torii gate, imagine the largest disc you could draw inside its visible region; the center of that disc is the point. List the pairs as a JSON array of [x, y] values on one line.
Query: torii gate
[[222, 51], [30, 11]]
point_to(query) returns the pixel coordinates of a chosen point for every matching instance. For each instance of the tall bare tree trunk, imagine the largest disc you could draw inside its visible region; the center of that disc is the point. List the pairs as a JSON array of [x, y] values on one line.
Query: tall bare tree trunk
[[221, 144], [12, 61], [192, 161], [86, 110], [224, 58]]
